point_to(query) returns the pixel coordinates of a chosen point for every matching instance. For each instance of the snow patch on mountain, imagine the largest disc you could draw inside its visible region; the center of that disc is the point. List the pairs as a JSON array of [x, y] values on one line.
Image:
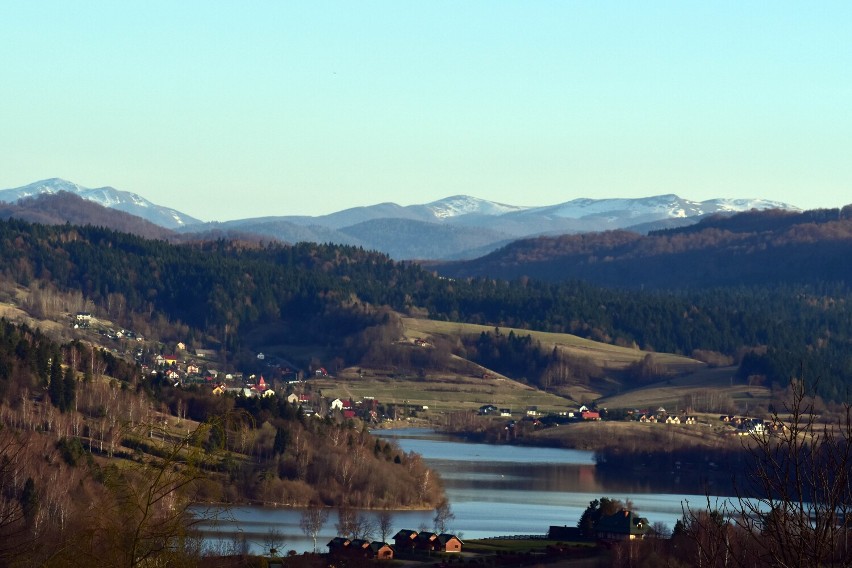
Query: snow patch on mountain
[[108, 197], [459, 205]]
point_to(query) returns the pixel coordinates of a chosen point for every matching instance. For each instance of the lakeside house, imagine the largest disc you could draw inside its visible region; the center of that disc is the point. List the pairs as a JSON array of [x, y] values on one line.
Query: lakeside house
[[342, 547], [623, 525], [425, 541]]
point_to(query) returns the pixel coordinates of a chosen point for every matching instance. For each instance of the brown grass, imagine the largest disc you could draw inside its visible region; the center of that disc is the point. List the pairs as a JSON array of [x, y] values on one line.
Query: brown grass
[[603, 355], [635, 435]]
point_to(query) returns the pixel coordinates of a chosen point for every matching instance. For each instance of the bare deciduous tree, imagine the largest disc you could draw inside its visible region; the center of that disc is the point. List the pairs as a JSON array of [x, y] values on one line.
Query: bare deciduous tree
[[795, 506], [385, 519], [312, 521], [443, 515]]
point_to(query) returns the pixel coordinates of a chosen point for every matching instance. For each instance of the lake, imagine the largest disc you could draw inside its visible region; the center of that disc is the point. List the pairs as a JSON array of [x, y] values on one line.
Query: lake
[[494, 490]]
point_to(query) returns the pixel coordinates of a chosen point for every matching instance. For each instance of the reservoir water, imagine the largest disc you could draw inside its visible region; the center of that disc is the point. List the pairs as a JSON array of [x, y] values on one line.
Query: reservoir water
[[494, 490]]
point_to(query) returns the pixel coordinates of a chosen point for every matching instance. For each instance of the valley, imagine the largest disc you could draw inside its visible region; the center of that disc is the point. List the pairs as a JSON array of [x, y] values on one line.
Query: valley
[[253, 374]]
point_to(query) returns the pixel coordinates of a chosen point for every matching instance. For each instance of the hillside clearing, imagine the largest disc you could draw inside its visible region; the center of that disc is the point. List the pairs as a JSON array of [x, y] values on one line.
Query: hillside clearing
[[604, 355]]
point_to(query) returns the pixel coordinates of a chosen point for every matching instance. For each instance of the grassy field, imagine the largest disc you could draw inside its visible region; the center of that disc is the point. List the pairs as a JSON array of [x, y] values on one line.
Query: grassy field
[[441, 393], [493, 545], [691, 383], [601, 354], [704, 388]]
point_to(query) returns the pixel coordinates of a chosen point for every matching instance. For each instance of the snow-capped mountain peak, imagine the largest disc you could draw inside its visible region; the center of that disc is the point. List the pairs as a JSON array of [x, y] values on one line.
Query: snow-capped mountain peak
[[106, 196], [459, 205]]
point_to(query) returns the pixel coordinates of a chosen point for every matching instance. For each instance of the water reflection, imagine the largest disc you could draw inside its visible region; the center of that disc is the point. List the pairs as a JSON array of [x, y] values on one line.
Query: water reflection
[[493, 490]]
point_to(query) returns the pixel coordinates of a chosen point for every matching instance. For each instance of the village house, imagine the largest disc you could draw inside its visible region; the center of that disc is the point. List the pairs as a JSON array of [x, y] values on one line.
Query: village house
[[487, 409], [381, 551], [428, 541], [425, 541], [338, 546], [301, 399], [405, 540], [751, 426], [341, 547], [590, 415], [359, 547], [623, 525], [450, 543]]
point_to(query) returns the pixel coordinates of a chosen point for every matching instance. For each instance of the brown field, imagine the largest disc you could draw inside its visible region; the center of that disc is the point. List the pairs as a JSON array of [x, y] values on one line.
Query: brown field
[[441, 393], [631, 435], [602, 354], [704, 388]]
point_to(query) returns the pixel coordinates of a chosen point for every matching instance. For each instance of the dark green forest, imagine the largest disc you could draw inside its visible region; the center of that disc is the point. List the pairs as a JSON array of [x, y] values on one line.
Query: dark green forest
[[323, 294]]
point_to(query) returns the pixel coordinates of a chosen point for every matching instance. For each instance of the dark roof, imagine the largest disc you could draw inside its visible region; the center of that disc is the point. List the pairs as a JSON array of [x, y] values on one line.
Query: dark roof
[[376, 545], [623, 522]]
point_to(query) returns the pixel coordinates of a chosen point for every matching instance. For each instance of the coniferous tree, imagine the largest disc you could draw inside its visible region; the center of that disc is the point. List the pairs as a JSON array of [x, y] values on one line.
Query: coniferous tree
[[69, 389], [56, 386]]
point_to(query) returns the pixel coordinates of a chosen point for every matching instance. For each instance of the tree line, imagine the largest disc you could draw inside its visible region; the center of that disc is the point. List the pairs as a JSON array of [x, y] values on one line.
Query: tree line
[[326, 295]]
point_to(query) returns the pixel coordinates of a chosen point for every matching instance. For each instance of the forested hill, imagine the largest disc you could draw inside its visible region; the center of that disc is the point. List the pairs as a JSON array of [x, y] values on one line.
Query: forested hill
[[753, 248], [235, 296], [65, 207]]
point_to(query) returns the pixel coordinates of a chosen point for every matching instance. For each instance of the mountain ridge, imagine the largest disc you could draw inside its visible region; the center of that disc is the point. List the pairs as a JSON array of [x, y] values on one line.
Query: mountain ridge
[[106, 196], [454, 228]]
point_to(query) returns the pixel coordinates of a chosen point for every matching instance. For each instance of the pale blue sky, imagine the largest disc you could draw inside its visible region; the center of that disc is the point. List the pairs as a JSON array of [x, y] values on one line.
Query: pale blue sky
[[237, 109]]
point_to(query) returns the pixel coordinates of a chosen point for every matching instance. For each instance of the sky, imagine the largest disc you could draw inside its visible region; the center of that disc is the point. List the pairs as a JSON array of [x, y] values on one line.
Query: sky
[[236, 109]]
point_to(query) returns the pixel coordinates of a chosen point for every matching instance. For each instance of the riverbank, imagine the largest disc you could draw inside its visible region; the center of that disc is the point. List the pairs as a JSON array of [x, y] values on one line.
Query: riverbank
[[602, 435]]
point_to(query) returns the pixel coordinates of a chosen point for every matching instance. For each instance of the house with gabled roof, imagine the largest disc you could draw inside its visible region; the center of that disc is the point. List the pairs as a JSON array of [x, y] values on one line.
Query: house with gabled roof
[[338, 546], [487, 409], [450, 543], [623, 525], [428, 541], [381, 551], [359, 547], [590, 415], [405, 540]]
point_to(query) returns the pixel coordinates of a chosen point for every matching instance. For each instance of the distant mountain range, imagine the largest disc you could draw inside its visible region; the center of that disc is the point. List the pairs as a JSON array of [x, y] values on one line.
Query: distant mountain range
[[108, 197], [749, 248], [458, 227]]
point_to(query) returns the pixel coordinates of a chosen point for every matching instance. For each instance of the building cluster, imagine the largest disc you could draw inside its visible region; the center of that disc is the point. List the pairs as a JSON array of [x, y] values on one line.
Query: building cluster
[[406, 542], [746, 426]]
